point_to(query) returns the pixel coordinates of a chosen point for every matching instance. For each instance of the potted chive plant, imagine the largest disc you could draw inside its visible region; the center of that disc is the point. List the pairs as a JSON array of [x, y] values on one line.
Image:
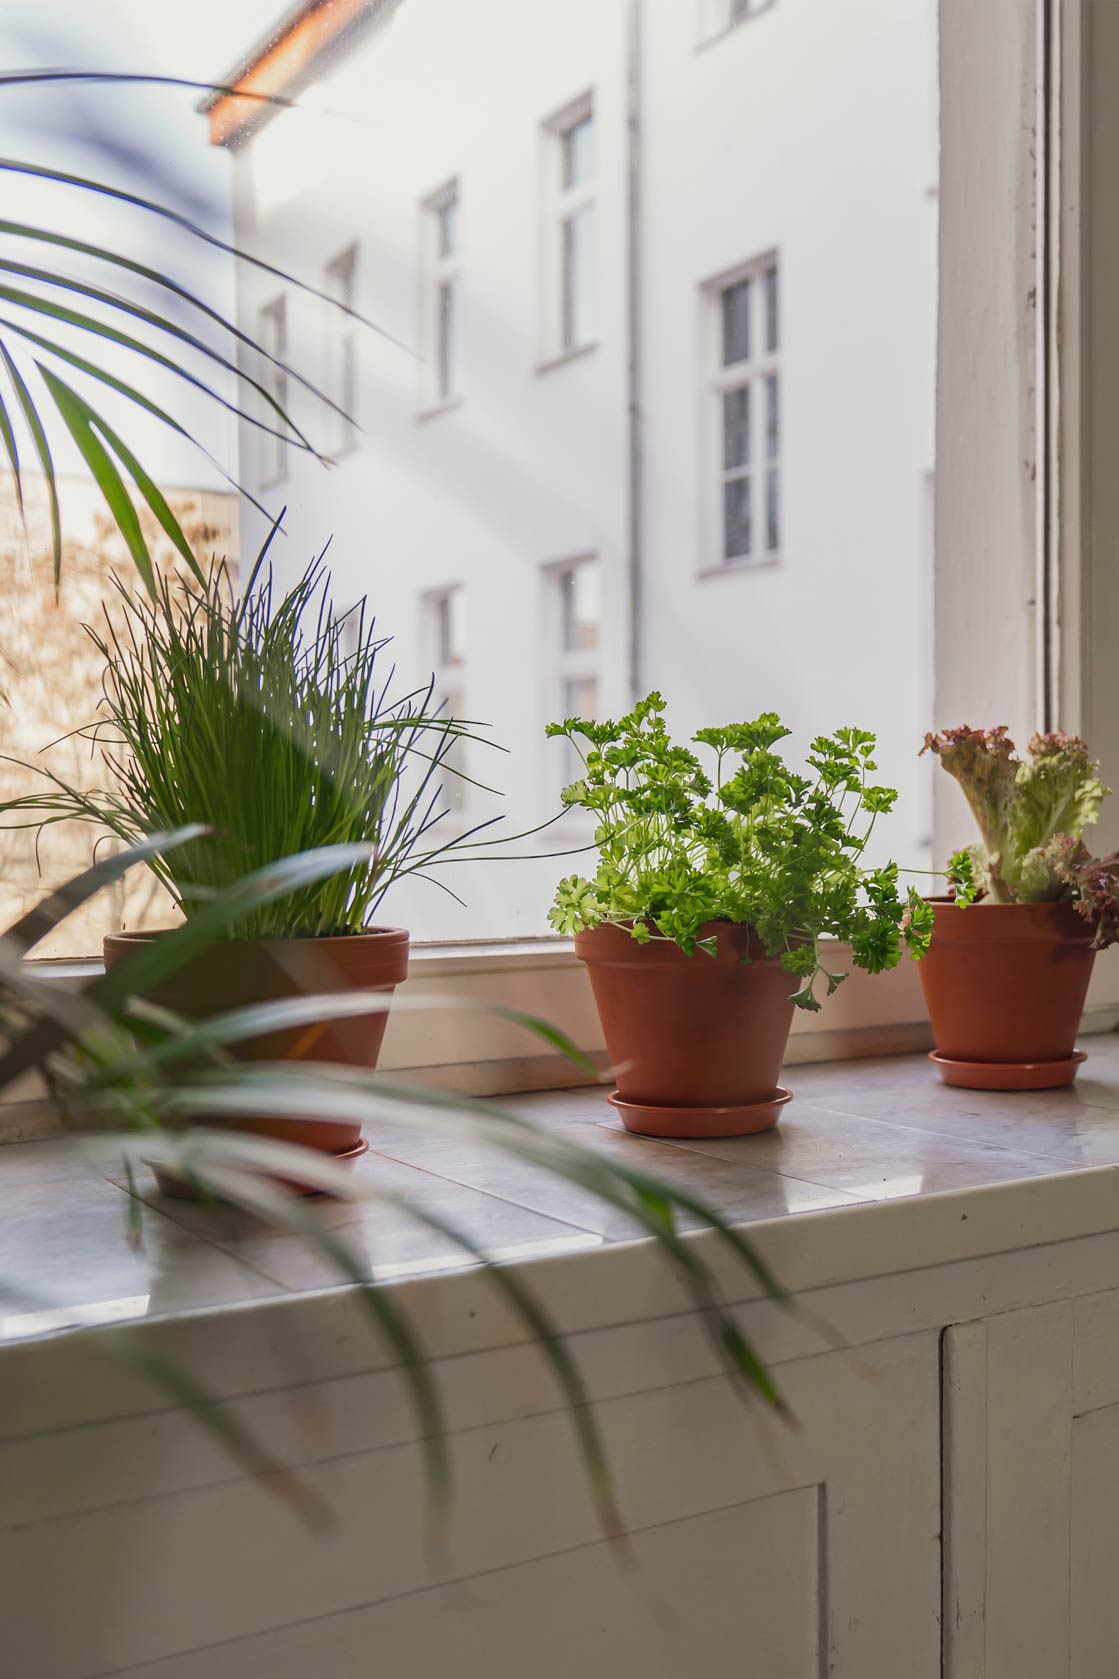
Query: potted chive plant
[[273, 724], [1012, 948], [701, 925]]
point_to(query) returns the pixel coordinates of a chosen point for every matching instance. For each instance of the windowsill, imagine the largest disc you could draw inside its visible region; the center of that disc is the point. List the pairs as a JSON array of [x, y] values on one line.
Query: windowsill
[[730, 568], [863, 1137], [446, 405], [550, 363]]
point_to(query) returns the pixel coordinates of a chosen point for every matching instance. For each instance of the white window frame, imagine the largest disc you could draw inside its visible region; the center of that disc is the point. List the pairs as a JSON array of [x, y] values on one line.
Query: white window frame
[[1000, 483], [438, 270], [560, 204], [272, 330], [760, 365], [340, 347]]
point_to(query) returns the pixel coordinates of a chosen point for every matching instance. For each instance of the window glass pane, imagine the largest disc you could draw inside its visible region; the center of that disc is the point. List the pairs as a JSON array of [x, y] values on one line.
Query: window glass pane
[[771, 309], [736, 518], [578, 277], [580, 607], [447, 217], [448, 336], [736, 323], [578, 153], [736, 427], [762, 168], [451, 636]]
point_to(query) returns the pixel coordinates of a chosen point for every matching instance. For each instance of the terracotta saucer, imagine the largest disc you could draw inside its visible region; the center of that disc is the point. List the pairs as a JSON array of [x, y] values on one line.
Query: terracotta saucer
[[170, 1183], [1008, 1075], [649, 1119]]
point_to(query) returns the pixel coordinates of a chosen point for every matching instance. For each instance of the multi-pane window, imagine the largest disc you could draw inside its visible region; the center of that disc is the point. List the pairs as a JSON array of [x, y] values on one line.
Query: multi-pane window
[[340, 279], [571, 260], [272, 336], [747, 399], [445, 636], [443, 295], [574, 621]]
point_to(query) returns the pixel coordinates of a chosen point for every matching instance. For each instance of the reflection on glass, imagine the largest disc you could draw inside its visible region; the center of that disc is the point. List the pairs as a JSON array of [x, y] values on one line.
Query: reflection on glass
[[736, 427], [736, 518], [736, 323]]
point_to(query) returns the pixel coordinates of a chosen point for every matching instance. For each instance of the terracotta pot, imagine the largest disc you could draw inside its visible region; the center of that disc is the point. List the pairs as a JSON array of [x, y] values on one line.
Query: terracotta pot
[[1005, 984], [696, 1041], [236, 972]]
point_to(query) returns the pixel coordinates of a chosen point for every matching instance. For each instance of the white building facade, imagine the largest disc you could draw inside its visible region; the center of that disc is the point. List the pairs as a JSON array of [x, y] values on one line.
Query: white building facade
[[651, 404]]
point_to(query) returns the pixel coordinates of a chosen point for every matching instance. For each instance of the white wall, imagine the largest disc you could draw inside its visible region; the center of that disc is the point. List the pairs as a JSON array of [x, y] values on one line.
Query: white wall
[[807, 130]]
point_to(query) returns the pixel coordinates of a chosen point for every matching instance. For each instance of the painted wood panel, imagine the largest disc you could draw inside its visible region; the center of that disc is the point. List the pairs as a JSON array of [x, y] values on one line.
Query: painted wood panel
[[150, 1578]]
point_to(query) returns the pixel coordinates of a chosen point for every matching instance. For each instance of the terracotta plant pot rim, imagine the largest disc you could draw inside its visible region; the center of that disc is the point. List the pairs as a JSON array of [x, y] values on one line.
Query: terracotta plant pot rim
[[611, 942], [985, 923], [386, 935]]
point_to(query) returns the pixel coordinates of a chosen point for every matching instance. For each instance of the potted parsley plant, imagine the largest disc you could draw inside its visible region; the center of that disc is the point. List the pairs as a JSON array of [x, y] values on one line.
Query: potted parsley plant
[[701, 926]]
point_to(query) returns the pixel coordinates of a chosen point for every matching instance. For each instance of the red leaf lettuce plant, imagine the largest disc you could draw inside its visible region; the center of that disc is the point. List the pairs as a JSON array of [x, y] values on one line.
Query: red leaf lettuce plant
[[752, 843], [1031, 813]]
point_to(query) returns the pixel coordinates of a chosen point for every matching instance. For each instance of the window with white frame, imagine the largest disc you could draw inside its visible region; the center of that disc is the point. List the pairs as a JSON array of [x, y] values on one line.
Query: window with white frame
[[444, 634], [574, 625], [724, 174], [570, 263], [746, 421], [272, 336], [441, 303], [340, 284]]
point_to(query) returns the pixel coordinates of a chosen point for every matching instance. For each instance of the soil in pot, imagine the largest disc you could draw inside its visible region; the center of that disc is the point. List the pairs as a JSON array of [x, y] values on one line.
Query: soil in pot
[[696, 1042], [235, 973], [1005, 986]]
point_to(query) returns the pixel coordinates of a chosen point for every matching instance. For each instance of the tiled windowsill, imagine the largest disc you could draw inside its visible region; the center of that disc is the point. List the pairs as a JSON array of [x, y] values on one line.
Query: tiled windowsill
[[858, 1134]]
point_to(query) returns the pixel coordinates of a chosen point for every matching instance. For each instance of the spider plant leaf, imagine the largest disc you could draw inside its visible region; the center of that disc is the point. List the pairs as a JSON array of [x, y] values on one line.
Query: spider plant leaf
[[140, 400], [151, 317], [78, 419], [114, 335], [283, 1014], [161, 957], [220, 1420], [42, 449], [305, 1089], [61, 177], [33, 927], [81, 247], [152, 494], [11, 449], [256, 1194], [230, 1166]]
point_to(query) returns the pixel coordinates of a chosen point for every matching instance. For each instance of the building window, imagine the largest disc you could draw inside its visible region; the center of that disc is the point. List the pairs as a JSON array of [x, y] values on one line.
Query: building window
[[442, 299], [747, 414], [716, 17], [340, 281], [574, 622], [570, 266], [272, 336], [445, 639]]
